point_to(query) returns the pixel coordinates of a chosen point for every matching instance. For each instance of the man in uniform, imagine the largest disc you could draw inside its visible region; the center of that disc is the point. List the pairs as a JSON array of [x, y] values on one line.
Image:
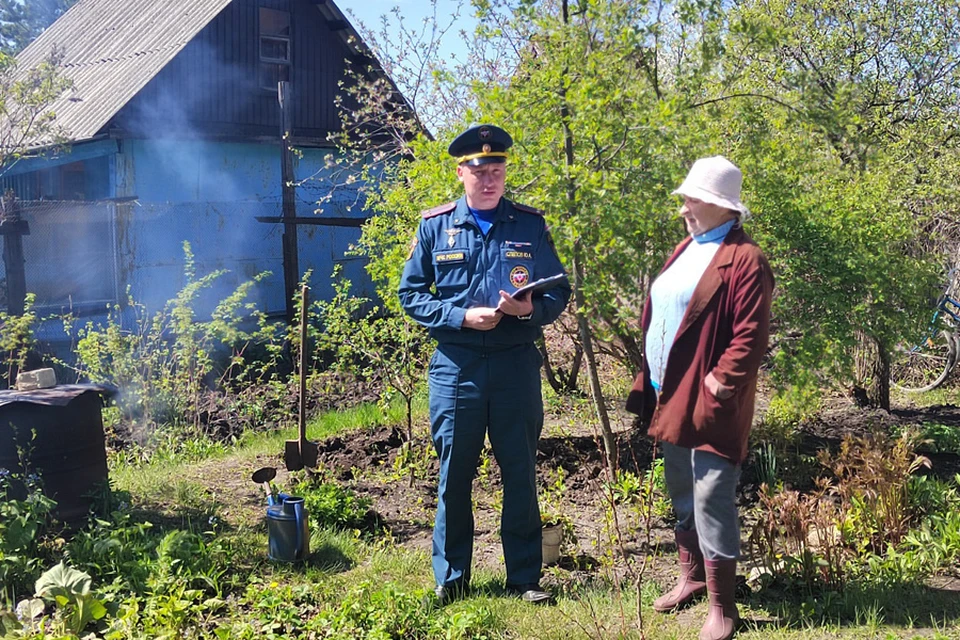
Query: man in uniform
[[467, 259]]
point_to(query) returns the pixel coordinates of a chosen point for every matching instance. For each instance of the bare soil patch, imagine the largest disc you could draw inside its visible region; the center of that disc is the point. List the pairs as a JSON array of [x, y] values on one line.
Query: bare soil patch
[[365, 460]]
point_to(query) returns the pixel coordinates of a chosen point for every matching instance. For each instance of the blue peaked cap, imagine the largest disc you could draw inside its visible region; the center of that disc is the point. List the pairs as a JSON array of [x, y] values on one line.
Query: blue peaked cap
[[481, 144]]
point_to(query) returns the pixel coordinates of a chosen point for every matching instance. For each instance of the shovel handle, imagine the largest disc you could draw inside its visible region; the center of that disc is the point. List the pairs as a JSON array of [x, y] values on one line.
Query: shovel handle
[[302, 417]]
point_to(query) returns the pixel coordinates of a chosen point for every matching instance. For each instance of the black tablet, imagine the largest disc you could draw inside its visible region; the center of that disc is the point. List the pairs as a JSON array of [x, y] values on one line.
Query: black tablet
[[541, 285]]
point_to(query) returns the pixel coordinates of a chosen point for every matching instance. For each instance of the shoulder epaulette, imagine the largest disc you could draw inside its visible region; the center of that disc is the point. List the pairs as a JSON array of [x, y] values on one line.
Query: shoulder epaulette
[[435, 211], [525, 208]]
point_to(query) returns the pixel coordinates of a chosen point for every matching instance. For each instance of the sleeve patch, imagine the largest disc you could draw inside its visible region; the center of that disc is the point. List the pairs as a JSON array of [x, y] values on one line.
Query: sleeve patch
[[413, 247]]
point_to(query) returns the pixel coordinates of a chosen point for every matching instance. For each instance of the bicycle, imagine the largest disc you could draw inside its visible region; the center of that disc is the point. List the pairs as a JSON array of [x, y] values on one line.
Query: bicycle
[[927, 365]]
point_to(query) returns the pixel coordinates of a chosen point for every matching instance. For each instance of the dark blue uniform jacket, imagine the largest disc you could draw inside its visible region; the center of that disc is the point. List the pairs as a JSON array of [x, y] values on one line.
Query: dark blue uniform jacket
[[453, 267]]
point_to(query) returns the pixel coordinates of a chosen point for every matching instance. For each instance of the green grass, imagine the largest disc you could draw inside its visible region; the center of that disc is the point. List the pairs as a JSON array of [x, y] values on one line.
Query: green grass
[[946, 395], [333, 423], [367, 579], [160, 479], [599, 610]]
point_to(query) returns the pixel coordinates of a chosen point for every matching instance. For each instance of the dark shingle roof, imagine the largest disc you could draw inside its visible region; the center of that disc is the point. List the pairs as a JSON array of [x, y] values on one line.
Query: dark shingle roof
[[112, 48]]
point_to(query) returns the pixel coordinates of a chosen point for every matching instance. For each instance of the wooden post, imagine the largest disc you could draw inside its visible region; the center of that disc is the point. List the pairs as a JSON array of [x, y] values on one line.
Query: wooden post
[[13, 229], [291, 258]]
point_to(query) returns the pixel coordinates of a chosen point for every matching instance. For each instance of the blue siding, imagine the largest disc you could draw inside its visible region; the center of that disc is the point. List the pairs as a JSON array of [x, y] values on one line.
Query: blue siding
[[73, 153], [209, 194], [190, 147]]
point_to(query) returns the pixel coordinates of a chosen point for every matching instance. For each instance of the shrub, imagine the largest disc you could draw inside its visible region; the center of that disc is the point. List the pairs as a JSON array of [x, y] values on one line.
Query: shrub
[[796, 536], [332, 505], [929, 496], [937, 438], [787, 410], [166, 361], [17, 339], [852, 525], [936, 544], [873, 475], [115, 550], [23, 522]]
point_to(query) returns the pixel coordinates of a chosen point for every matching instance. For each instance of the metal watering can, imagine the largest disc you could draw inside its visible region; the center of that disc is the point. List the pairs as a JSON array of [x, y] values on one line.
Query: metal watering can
[[288, 525]]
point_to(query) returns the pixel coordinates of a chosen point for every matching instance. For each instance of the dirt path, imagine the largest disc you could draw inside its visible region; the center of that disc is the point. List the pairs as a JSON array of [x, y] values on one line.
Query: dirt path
[[243, 503], [365, 461]]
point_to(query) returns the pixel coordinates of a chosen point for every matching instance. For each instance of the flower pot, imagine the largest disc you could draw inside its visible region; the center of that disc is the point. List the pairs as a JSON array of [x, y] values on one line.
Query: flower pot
[[551, 537]]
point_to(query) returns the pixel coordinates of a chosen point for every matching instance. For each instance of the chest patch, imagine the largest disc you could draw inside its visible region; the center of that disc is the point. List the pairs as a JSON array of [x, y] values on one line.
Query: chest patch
[[513, 254], [519, 276], [447, 257]]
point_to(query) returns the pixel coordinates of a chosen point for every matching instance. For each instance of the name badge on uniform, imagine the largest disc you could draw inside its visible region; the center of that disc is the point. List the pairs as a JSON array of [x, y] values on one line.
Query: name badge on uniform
[[516, 250], [447, 257]]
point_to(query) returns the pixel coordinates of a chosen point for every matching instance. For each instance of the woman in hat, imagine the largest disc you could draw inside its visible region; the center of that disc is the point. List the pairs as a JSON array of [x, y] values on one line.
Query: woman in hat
[[706, 325]]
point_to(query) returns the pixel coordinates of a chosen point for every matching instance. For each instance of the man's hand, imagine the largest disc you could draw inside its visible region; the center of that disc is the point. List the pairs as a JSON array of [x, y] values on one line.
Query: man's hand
[[522, 306], [719, 391], [482, 318]]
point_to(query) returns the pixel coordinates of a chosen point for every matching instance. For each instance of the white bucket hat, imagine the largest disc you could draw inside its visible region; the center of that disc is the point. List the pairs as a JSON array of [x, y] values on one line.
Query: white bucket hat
[[715, 180]]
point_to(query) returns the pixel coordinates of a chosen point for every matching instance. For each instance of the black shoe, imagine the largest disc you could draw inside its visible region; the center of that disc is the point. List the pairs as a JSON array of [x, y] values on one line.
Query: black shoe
[[531, 593]]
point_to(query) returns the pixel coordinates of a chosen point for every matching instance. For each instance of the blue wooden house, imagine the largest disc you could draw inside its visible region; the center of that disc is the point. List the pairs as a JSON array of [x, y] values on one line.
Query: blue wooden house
[[174, 130]]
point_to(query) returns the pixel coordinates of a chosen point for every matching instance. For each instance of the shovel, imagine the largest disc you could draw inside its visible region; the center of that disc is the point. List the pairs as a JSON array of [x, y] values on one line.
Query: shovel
[[263, 476], [301, 453]]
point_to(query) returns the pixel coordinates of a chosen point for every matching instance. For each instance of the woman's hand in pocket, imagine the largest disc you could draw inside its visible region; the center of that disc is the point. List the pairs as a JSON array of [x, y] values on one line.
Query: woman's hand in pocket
[[719, 391]]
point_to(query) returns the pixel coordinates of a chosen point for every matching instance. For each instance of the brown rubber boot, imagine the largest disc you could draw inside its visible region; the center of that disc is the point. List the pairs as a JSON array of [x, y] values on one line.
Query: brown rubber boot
[[692, 578], [723, 616]]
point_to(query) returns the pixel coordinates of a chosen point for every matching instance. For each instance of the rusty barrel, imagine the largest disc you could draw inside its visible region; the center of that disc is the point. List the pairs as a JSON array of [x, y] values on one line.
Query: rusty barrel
[[57, 433]]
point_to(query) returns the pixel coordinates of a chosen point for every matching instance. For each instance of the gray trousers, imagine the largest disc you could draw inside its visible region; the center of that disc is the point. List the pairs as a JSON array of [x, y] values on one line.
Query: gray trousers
[[703, 489]]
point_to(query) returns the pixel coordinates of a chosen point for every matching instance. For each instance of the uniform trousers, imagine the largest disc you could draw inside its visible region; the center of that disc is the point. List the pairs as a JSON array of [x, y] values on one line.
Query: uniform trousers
[[476, 392], [703, 489]]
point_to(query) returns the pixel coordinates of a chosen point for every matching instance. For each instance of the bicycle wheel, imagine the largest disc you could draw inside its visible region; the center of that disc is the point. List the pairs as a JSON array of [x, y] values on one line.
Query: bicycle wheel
[[923, 367]]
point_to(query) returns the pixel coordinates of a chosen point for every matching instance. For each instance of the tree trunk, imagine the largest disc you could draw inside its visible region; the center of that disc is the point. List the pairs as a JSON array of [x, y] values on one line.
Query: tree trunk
[[560, 380], [586, 338], [548, 366], [574, 373], [872, 382]]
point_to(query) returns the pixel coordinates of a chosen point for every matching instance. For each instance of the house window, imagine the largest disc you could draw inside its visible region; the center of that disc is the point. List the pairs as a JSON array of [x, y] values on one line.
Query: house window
[[66, 182], [73, 182], [274, 47], [49, 184], [70, 256]]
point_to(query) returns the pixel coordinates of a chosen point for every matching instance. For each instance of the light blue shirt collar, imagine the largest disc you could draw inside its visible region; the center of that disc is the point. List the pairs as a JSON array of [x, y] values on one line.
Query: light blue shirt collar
[[717, 233]]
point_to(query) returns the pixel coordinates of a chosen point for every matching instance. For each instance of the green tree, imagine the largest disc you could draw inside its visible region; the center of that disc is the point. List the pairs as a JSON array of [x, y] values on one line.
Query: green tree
[[21, 21], [610, 101], [594, 161], [601, 151], [27, 120], [860, 89]]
